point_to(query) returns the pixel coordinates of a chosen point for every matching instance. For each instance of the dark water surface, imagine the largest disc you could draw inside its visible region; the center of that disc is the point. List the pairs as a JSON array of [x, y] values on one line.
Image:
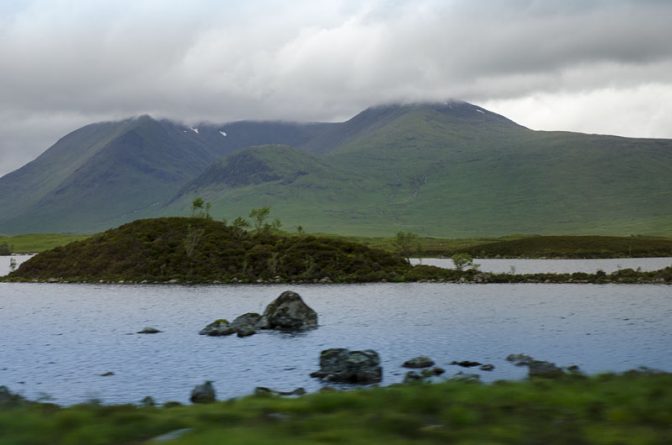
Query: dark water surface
[[57, 339]]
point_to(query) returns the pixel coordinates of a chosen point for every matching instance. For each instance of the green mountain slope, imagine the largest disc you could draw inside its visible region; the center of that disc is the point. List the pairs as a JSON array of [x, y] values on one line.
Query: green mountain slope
[[101, 175], [458, 170], [440, 169]]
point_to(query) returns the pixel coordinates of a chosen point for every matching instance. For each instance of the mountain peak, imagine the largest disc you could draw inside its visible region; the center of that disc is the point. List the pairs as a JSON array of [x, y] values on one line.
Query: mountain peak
[[453, 108]]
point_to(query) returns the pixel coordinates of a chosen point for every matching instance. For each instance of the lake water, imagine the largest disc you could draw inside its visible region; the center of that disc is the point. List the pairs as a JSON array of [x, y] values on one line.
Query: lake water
[[57, 339], [5, 261], [524, 266]]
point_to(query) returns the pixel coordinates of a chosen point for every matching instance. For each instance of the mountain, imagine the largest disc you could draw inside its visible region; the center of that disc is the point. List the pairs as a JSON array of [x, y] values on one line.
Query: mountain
[[440, 169]]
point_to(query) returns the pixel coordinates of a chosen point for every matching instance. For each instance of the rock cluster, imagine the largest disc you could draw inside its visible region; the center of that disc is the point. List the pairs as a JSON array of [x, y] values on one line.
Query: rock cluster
[[288, 312], [345, 366], [542, 369]]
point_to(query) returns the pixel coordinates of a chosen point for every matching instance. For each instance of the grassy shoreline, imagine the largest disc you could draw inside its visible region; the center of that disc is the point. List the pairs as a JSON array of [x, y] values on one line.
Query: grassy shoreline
[[630, 408], [203, 251]]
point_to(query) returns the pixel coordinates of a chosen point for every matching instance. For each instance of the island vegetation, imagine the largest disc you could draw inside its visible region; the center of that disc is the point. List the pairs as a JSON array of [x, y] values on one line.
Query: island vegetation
[[198, 249], [633, 408]]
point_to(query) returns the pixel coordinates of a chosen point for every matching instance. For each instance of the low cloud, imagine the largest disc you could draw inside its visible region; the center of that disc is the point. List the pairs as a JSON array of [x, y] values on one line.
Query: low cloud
[[595, 66]]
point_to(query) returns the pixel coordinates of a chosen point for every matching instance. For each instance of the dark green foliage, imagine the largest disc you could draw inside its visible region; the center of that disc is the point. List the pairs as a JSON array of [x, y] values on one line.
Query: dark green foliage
[[5, 249], [634, 408], [202, 250], [575, 247], [198, 250]]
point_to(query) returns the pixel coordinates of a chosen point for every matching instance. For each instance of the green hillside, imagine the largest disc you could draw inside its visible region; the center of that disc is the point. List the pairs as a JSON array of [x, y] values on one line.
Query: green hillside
[[448, 169], [459, 171]]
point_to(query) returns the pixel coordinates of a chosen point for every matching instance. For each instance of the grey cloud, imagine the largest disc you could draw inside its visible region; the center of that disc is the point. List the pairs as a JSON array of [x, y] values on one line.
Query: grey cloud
[[224, 60]]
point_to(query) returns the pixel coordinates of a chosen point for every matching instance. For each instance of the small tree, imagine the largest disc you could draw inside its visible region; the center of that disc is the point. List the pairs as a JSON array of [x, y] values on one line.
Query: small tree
[[197, 206], [407, 244], [259, 216], [5, 249], [200, 208], [463, 261]]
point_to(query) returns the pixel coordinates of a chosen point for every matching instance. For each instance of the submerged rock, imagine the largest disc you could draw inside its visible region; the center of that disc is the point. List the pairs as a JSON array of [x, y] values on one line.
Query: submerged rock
[[342, 365], [466, 377], [204, 393], [466, 363], [541, 369], [288, 312], [149, 330], [147, 401], [519, 359], [261, 391], [487, 367], [419, 362]]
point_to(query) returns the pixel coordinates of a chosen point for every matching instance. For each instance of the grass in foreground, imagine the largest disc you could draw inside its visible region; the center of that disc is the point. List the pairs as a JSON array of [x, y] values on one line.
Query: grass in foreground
[[608, 409]]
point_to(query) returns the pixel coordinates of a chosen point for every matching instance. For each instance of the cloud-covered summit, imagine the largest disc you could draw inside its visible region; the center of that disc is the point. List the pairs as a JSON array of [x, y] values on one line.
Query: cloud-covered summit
[[595, 66]]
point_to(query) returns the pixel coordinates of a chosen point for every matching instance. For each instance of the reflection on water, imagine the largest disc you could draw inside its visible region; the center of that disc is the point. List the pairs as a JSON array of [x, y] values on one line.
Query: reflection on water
[[522, 266], [58, 339], [5, 262]]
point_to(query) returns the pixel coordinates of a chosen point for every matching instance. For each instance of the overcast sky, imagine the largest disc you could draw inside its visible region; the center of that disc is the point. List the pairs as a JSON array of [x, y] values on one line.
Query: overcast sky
[[600, 66]]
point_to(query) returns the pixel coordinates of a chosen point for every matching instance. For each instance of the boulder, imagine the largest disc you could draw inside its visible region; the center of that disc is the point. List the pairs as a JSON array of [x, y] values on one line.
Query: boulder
[[342, 365], [487, 367], [419, 362], [250, 319], [246, 324], [288, 312], [245, 331], [217, 328], [204, 393]]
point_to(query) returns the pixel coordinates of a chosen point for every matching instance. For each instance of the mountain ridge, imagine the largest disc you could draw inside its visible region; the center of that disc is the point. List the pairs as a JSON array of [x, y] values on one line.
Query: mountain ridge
[[441, 168]]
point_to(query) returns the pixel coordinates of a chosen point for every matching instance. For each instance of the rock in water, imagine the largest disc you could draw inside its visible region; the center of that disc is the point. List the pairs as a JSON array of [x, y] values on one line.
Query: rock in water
[[217, 328], [543, 369], [342, 365], [246, 324], [149, 330], [204, 393], [419, 362], [288, 312]]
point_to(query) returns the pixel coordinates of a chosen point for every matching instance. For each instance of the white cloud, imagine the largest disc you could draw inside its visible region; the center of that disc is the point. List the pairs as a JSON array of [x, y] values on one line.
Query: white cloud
[[307, 60]]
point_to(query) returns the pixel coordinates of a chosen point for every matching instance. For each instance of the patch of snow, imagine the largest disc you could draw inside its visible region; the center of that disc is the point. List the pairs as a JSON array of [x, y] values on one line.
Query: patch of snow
[[195, 130], [480, 111], [222, 132]]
